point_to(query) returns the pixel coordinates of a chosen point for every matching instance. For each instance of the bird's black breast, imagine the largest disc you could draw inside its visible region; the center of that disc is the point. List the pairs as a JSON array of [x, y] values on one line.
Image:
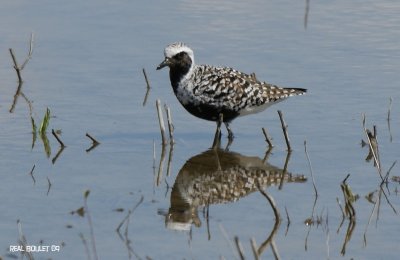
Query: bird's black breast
[[210, 112]]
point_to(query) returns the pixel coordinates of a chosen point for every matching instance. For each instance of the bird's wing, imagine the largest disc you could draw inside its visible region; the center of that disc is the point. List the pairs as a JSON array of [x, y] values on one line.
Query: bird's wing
[[235, 90]]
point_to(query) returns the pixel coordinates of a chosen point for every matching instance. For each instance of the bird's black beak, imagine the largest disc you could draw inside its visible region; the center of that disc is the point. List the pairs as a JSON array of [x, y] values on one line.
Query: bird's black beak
[[163, 64]]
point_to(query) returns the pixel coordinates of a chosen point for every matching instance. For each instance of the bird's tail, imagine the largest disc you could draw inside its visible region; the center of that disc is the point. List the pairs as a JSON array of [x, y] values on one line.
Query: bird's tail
[[296, 91]]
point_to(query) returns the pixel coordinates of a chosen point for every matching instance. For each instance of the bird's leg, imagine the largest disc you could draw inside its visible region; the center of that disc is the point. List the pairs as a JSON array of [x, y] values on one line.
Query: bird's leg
[[230, 133], [217, 137]]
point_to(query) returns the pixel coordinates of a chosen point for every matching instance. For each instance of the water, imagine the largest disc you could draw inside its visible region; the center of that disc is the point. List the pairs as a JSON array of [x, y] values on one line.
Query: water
[[87, 68]]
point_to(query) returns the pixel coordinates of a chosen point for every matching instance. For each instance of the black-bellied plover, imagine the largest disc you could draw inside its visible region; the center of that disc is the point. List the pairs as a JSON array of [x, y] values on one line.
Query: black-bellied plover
[[207, 91]]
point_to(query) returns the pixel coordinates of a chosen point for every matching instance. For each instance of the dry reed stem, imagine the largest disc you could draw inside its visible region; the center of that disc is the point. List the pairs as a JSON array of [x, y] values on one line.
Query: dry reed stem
[[284, 128], [161, 122], [170, 125], [29, 53], [171, 151], [18, 68], [147, 80], [146, 96]]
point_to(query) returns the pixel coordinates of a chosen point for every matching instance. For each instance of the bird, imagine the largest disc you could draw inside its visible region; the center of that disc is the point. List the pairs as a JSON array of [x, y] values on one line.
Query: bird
[[215, 92]]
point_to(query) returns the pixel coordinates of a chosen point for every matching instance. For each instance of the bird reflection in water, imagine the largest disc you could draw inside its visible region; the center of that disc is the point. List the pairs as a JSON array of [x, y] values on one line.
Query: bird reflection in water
[[218, 176]]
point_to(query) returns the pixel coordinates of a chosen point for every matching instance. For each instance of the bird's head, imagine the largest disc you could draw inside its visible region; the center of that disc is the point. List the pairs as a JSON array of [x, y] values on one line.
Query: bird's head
[[177, 56]]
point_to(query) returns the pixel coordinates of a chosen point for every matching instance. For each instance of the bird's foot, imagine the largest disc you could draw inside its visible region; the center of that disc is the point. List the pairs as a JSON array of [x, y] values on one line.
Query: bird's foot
[[230, 133]]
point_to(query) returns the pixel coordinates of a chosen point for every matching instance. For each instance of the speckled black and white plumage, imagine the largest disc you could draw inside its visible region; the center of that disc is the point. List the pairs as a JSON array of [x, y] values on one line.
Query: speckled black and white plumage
[[207, 91]]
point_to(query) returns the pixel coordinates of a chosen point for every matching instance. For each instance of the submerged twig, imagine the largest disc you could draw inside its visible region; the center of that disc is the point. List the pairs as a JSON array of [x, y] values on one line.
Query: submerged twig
[[254, 248], [349, 198], [94, 142], [239, 248], [23, 242], [349, 212], [58, 138], [125, 238], [349, 232], [31, 173], [226, 236], [161, 165], [341, 208], [53, 161], [16, 67], [288, 221], [86, 195], [267, 138], [85, 245], [388, 172], [388, 118], [49, 185], [284, 128], [371, 147], [309, 222], [18, 70], [311, 170], [271, 202], [147, 88], [284, 171], [269, 240], [306, 13], [129, 214]]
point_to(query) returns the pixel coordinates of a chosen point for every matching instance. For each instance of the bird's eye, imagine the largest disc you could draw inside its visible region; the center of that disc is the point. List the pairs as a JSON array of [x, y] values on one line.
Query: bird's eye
[[180, 55]]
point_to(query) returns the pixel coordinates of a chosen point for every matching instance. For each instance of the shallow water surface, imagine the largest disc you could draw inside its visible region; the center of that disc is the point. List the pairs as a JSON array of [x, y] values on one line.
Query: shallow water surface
[[188, 201]]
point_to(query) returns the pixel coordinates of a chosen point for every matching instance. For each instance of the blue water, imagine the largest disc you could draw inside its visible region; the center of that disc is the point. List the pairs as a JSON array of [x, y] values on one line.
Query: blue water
[[87, 68]]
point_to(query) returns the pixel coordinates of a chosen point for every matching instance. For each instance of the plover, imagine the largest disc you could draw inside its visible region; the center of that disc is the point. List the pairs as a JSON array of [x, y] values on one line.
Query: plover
[[207, 91]]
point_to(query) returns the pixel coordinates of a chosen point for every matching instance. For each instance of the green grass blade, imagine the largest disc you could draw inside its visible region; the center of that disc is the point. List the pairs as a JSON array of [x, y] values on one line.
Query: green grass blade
[[45, 122]]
